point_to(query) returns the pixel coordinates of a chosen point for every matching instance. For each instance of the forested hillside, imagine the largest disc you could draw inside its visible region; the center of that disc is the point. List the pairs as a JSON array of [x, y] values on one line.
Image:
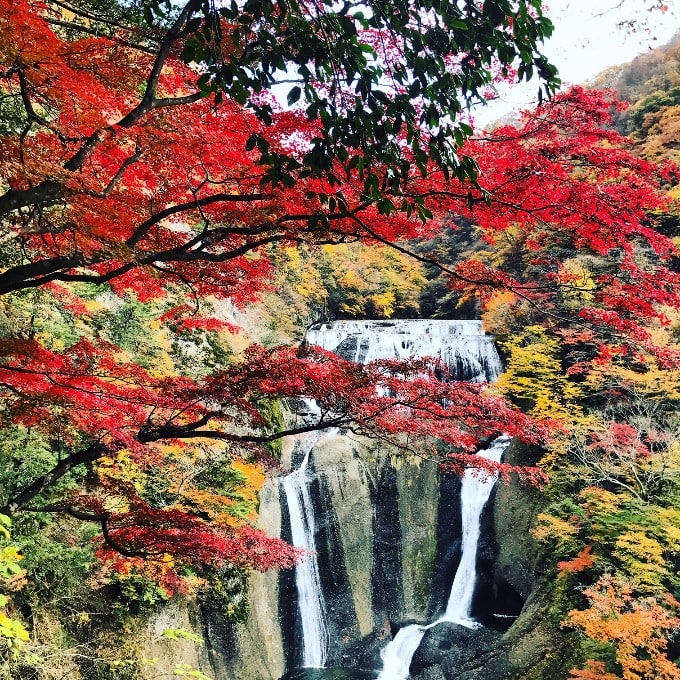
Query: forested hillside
[[650, 84], [168, 232]]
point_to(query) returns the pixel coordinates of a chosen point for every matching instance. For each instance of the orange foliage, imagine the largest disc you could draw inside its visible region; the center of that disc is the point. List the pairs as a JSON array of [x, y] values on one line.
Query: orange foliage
[[636, 626], [594, 670], [584, 560]]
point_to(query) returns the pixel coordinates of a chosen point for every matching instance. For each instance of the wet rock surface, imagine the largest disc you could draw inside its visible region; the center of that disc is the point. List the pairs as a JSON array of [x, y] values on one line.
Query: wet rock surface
[[451, 651]]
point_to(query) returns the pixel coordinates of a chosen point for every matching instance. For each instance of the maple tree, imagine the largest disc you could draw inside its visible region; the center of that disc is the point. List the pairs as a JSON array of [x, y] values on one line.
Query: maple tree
[[612, 530], [613, 551], [131, 210], [371, 74], [613, 466], [638, 627], [125, 168]]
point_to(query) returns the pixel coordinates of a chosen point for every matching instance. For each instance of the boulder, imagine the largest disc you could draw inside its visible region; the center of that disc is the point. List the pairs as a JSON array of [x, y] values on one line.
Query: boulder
[[449, 651]]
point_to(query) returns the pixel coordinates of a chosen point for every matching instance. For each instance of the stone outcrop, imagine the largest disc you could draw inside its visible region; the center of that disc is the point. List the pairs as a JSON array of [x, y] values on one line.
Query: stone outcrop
[[451, 651]]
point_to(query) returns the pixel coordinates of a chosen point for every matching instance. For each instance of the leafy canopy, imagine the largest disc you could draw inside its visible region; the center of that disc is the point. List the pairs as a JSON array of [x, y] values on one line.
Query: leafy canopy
[[384, 81], [127, 169]]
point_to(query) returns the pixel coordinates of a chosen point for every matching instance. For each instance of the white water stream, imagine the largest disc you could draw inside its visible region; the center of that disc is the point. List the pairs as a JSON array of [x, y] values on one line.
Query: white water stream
[[475, 491], [307, 581]]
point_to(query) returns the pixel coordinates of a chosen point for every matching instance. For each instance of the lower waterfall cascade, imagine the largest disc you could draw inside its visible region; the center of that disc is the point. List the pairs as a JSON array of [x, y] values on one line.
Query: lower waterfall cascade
[[475, 492], [307, 581], [470, 355], [474, 495]]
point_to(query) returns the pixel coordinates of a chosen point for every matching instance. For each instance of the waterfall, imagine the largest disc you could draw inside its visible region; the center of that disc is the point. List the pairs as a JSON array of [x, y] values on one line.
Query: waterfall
[[470, 355], [398, 653], [307, 580], [463, 346], [475, 491]]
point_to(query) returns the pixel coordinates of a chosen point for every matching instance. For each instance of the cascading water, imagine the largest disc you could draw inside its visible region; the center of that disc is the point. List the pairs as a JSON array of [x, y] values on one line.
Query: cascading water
[[307, 581], [475, 491], [474, 494], [463, 346]]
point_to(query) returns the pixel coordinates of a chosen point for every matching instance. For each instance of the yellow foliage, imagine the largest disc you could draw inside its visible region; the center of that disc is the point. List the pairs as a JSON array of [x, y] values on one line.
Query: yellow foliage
[[161, 571], [12, 632], [550, 526], [595, 500], [534, 376], [112, 471], [182, 483], [298, 267], [577, 284], [231, 496], [375, 280], [561, 533], [9, 554], [643, 559], [669, 522], [163, 364], [499, 312], [384, 303], [350, 279], [644, 376], [254, 476]]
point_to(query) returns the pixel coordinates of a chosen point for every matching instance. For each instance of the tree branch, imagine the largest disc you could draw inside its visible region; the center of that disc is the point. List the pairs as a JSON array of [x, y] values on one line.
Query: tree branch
[[49, 190], [65, 465], [101, 518], [143, 229], [191, 431]]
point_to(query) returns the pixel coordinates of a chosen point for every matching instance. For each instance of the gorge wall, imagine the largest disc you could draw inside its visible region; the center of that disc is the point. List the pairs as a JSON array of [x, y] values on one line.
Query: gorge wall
[[388, 543], [388, 547]]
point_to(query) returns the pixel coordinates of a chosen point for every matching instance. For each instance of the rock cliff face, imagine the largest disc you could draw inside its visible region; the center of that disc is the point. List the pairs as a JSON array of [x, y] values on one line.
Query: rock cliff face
[[254, 649], [517, 635], [376, 549], [388, 544]]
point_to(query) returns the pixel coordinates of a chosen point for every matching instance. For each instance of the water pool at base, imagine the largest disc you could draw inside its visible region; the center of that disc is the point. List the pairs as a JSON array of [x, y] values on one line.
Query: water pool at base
[[330, 674]]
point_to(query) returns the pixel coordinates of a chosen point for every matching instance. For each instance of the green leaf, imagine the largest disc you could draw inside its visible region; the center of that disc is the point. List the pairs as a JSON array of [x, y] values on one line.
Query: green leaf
[[5, 524], [294, 95], [182, 634]]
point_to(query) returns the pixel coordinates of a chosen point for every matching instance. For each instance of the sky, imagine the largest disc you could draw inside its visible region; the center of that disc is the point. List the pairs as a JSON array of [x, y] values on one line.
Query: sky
[[587, 40]]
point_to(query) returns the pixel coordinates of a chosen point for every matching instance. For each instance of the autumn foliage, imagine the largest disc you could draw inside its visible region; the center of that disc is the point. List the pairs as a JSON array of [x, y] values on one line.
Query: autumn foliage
[[638, 626], [120, 175]]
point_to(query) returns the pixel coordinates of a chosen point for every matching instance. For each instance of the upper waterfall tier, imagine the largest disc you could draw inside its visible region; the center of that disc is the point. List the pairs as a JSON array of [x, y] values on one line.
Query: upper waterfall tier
[[463, 346]]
